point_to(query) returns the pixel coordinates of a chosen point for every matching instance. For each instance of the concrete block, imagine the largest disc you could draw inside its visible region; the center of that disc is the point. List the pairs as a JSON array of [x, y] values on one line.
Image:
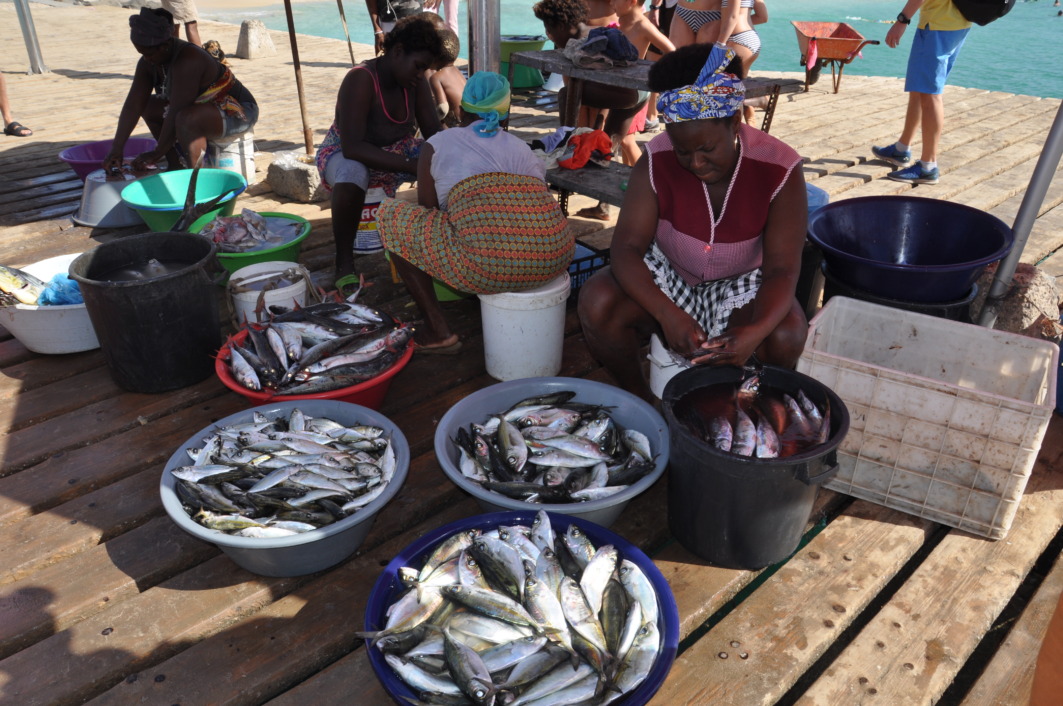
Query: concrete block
[[254, 41], [1029, 307], [296, 180]]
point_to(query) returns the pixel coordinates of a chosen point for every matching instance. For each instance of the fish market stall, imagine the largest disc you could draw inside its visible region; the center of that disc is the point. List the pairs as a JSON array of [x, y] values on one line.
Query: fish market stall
[[105, 599]]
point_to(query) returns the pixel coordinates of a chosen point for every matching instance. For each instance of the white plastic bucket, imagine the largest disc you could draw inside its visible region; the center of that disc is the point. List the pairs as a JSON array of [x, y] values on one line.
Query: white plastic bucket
[[250, 303], [237, 154], [525, 331], [663, 366], [368, 238]]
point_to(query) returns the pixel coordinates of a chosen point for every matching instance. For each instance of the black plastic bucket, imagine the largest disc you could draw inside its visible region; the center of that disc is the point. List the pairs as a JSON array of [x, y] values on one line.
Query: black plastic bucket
[[739, 512], [958, 310], [162, 332]]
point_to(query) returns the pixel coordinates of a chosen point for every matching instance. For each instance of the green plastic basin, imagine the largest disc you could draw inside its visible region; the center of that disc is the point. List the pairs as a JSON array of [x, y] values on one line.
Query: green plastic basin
[[285, 252], [159, 199]]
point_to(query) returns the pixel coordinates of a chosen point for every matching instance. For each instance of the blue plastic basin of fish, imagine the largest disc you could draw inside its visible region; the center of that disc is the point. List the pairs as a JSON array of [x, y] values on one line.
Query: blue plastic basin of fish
[[388, 588], [908, 248]]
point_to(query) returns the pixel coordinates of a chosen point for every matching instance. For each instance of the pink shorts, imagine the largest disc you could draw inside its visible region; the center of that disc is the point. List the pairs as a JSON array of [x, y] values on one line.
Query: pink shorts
[[638, 124]]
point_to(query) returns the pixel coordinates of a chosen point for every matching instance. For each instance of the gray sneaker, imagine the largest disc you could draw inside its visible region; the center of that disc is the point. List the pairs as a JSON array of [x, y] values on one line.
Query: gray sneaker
[[892, 155]]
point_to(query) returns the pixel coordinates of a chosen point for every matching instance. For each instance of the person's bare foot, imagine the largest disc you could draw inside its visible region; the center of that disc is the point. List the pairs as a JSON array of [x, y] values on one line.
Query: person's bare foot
[[447, 346], [597, 212]]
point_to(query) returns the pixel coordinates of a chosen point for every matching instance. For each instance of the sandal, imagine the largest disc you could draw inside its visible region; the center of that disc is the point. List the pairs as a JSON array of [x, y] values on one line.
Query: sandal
[[17, 129]]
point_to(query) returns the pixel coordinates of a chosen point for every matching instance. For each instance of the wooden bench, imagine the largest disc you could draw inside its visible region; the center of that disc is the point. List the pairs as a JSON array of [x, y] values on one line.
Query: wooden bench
[[635, 75], [606, 184]]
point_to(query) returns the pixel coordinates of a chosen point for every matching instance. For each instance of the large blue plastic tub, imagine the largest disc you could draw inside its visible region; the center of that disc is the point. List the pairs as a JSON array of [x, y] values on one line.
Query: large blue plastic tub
[[908, 248]]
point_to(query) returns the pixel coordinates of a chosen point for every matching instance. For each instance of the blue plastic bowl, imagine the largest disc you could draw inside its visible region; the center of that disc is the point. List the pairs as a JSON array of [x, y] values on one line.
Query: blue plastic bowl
[[908, 248], [86, 158], [388, 588]]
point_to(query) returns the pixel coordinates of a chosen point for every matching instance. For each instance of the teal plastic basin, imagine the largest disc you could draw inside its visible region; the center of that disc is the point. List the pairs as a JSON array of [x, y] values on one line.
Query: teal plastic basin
[[159, 199]]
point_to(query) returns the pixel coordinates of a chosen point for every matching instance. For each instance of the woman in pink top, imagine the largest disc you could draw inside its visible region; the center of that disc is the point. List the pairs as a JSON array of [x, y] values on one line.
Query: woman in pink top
[[707, 249]]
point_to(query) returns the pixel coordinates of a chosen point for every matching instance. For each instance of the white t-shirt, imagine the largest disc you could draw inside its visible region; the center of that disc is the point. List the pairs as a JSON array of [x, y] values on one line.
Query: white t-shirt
[[460, 153]]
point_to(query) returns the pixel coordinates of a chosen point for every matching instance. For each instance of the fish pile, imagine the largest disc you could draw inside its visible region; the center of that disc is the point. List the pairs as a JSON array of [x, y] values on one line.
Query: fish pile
[[19, 287], [317, 348], [278, 477], [551, 449], [522, 616], [753, 420], [250, 231]]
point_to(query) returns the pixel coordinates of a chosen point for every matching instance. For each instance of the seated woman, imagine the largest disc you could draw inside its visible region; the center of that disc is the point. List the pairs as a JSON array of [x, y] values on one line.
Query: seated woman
[[486, 221], [195, 99], [373, 141], [707, 248]]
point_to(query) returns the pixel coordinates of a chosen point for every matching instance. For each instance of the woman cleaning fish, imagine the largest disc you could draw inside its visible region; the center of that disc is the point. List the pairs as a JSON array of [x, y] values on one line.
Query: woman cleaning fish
[[707, 248], [185, 96]]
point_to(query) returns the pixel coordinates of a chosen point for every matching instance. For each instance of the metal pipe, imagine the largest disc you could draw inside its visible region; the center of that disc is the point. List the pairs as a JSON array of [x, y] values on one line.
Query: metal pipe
[[29, 34], [485, 36], [308, 135], [1032, 200]]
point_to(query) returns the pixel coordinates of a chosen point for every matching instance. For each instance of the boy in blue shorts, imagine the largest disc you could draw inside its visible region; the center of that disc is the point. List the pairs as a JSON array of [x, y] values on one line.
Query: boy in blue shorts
[[940, 32]]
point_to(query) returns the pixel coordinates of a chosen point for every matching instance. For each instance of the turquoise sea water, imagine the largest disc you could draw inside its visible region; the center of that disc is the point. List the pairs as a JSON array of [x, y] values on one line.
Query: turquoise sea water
[[1020, 53]]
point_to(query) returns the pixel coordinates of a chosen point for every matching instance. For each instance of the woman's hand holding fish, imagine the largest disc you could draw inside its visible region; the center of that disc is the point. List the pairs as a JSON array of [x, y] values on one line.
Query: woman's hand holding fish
[[683, 333], [146, 160], [732, 347]]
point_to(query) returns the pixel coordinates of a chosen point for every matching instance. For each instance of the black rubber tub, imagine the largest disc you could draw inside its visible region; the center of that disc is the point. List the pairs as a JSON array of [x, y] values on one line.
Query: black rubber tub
[[739, 512]]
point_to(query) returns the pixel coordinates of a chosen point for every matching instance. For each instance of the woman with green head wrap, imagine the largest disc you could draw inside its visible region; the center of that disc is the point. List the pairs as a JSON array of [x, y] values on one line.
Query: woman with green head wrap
[[485, 221]]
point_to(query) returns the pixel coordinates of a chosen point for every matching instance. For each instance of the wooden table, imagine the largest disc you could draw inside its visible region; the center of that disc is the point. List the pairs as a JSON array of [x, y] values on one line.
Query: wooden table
[[634, 76]]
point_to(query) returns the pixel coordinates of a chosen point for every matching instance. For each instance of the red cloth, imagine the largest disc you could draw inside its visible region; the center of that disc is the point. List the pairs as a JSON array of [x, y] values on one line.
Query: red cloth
[[584, 144], [638, 124]]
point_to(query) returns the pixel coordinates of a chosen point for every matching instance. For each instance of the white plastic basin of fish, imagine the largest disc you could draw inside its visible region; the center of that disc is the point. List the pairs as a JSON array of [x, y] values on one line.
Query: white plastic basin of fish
[[388, 588], [626, 409], [55, 329], [307, 552]]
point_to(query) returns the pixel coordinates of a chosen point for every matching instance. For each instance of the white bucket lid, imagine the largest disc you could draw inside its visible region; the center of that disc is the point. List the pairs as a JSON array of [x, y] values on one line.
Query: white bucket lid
[[552, 293]]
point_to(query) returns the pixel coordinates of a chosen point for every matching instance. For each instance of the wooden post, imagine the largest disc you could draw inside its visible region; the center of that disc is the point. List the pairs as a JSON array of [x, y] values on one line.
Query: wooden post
[[308, 136]]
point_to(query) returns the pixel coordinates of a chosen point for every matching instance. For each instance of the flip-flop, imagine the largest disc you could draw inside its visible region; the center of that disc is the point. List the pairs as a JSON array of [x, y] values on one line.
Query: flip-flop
[[452, 349], [17, 129]]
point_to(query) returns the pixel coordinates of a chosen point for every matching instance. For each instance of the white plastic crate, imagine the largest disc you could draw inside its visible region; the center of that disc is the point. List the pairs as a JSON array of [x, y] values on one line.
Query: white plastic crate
[[946, 418]]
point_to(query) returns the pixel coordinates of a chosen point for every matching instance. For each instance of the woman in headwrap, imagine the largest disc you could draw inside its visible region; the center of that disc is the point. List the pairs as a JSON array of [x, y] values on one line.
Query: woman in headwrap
[[184, 94], [707, 248], [486, 221]]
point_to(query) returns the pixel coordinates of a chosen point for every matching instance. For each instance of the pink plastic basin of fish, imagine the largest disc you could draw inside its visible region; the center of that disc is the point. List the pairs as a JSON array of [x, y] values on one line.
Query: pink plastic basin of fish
[[86, 158], [369, 394]]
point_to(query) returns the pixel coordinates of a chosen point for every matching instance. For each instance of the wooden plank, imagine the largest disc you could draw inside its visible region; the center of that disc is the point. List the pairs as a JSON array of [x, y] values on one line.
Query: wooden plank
[[64, 476], [33, 444], [920, 639], [63, 594], [75, 664], [287, 639], [701, 589], [603, 183], [1009, 676], [633, 76], [759, 650], [71, 528]]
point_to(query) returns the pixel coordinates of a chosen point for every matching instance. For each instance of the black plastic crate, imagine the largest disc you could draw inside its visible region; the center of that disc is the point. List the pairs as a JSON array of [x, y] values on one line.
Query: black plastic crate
[[587, 261]]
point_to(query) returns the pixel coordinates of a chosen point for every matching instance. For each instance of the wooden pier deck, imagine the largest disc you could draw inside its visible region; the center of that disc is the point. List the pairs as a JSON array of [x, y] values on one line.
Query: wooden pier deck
[[104, 600]]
